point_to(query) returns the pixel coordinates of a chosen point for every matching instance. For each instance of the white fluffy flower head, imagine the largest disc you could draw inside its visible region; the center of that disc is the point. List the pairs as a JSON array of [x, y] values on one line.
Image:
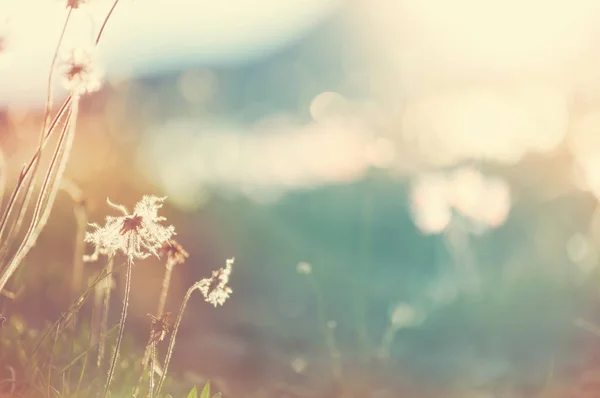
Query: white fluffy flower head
[[215, 289], [137, 235], [80, 71]]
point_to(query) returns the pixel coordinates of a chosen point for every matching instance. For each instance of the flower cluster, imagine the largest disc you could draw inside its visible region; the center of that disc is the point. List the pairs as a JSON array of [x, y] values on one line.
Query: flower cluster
[[484, 201], [80, 71], [137, 235], [215, 289]]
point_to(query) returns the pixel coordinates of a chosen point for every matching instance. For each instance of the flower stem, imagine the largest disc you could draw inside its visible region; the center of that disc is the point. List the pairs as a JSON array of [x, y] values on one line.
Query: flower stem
[[159, 312], [105, 309], [164, 290], [113, 364], [188, 294]]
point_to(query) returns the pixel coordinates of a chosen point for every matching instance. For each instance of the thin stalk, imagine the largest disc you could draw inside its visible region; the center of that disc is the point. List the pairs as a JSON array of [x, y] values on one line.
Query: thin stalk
[[48, 192], [188, 294], [152, 361], [51, 364], [106, 21], [106, 290], [113, 364], [83, 368], [33, 163], [84, 353], [166, 283], [145, 359], [31, 181], [50, 195], [103, 274], [23, 178], [164, 291], [160, 310], [81, 219], [49, 97]]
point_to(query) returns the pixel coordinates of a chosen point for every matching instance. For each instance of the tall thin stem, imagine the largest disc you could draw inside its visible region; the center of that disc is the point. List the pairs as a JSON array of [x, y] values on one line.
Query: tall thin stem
[[188, 294], [159, 312], [106, 290], [106, 21], [113, 364], [81, 218], [164, 291], [28, 167], [152, 360], [47, 195], [48, 108], [37, 223]]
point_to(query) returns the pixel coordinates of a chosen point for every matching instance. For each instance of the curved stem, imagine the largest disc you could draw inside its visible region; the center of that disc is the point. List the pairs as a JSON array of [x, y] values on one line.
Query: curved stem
[[48, 191], [106, 21], [27, 168], [51, 74], [188, 294], [113, 364], [159, 312]]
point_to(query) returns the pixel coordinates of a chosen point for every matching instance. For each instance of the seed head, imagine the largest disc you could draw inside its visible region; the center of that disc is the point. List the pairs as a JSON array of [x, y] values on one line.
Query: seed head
[[174, 252], [215, 289], [137, 235], [159, 328], [80, 71]]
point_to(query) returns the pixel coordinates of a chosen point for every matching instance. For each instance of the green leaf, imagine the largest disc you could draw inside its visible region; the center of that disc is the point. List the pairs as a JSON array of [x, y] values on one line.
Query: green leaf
[[206, 390], [193, 393]]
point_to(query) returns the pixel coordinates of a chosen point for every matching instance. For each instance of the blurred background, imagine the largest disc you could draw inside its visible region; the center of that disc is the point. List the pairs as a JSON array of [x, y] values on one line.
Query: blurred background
[[409, 187]]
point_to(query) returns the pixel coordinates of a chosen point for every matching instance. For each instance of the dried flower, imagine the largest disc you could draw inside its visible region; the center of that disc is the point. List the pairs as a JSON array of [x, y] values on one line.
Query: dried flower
[[174, 252], [215, 289], [80, 70], [137, 235], [159, 328]]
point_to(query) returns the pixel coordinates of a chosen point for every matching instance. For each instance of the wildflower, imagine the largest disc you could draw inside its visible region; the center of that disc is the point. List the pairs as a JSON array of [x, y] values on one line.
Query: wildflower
[[159, 328], [174, 252], [304, 268], [81, 72], [137, 235], [215, 289]]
